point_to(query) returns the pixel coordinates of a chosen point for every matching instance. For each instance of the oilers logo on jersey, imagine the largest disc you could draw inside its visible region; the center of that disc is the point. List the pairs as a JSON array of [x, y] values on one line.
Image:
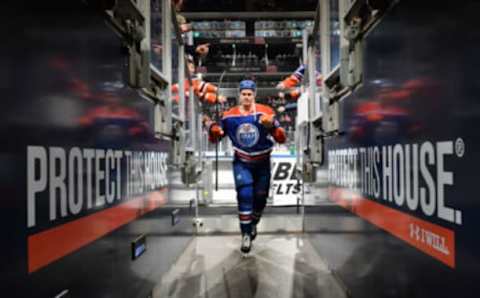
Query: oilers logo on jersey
[[250, 139], [247, 135]]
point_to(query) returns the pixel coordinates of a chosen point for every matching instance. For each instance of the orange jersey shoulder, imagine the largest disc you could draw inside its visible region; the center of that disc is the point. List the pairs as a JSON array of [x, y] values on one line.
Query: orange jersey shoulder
[[235, 111], [260, 108], [264, 109]]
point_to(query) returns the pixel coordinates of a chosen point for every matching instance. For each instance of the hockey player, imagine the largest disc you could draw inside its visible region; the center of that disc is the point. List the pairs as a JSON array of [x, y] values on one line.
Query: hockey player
[[206, 92], [249, 127], [292, 81]]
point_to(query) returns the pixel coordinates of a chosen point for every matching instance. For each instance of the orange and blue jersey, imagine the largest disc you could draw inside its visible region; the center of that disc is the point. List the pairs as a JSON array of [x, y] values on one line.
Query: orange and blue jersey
[[252, 143], [206, 92], [295, 78], [251, 140]]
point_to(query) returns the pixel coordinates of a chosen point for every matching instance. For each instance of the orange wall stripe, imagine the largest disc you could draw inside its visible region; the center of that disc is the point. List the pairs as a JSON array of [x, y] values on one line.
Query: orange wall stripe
[[50, 245], [430, 238]]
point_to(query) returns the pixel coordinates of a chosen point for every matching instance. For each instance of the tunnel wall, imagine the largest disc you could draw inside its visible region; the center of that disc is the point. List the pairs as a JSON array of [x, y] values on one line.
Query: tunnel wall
[[82, 173], [405, 173]]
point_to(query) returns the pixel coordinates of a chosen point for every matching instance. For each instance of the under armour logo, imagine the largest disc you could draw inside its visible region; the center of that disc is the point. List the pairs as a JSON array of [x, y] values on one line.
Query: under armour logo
[[414, 231]]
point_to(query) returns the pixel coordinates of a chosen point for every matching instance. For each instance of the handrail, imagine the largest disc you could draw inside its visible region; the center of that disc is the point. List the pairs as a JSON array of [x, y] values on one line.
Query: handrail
[[158, 76]]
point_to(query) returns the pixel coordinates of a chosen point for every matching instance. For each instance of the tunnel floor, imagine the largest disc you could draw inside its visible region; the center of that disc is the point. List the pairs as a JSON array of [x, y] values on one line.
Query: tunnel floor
[[279, 265]]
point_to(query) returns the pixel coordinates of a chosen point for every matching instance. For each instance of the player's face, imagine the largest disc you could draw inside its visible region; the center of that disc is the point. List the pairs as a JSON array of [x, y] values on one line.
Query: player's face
[[247, 98], [191, 67]]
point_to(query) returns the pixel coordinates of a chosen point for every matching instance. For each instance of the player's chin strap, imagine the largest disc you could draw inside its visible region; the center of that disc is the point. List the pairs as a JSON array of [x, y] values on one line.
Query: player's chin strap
[[217, 112]]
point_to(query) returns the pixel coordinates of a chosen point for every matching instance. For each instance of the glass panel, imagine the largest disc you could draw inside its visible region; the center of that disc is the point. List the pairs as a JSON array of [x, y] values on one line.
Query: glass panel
[[188, 118], [174, 57], [334, 34], [318, 55], [156, 33]]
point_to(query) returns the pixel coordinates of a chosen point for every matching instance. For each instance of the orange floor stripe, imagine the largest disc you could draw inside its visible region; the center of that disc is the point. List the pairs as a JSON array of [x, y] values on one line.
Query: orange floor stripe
[[50, 245], [430, 238]]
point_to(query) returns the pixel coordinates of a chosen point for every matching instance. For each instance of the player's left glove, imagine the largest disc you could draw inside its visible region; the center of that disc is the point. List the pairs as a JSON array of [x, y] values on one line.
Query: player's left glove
[[267, 120]]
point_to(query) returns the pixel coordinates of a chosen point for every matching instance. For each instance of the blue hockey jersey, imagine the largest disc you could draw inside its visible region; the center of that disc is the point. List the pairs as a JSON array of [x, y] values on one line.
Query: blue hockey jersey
[[251, 140]]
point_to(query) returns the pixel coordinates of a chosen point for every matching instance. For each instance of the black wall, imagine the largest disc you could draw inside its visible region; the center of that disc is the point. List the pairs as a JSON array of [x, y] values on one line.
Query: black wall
[[63, 86], [420, 86]]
